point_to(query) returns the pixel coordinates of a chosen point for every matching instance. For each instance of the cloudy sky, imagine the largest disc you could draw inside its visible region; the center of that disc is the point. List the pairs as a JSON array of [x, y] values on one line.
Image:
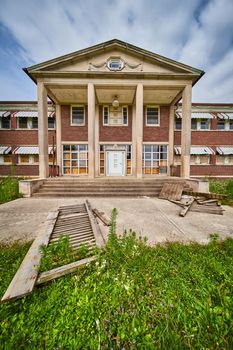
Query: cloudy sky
[[195, 32]]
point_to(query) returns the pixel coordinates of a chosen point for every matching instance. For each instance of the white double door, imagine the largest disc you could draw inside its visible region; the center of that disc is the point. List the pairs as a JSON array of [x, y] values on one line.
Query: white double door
[[115, 163]]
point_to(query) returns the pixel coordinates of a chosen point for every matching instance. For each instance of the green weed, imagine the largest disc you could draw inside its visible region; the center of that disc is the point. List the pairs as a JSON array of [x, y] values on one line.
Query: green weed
[[134, 296], [9, 189]]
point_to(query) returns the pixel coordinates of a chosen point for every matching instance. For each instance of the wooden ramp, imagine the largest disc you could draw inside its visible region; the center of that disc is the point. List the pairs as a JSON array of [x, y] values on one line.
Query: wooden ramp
[[172, 191], [75, 221]]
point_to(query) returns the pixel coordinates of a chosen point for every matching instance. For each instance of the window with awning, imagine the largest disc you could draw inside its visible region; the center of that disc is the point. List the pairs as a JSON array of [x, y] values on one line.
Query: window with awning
[[224, 155]]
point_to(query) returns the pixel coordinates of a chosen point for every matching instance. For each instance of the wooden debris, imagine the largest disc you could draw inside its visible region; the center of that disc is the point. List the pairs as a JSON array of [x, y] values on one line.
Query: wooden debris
[[25, 278], [171, 191], [214, 208], [62, 270], [101, 216], [184, 211], [100, 241], [208, 195]]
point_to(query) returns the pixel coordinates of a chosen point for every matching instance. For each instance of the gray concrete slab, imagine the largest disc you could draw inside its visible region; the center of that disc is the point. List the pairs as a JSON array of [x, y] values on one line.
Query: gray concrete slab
[[154, 218]]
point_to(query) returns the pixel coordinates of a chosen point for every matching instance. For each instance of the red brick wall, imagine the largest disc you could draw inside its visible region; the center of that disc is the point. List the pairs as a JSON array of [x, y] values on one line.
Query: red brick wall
[[157, 133], [208, 170], [23, 137], [115, 133], [20, 170], [212, 170], [72, 133], [207, 138]]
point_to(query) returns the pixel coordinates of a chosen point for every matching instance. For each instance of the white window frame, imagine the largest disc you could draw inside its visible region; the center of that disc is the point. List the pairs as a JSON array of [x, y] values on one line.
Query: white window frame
[[2, 159], [116, 59], [153, 106], [1, 124], [197, 160], [71, 115], [30, 159], [125, 106], [105, 124], [175, 120], [198, 121], [27, 123]]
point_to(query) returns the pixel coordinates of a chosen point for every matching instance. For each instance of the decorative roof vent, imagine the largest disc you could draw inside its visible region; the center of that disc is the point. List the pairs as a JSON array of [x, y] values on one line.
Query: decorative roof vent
[[115, 64]]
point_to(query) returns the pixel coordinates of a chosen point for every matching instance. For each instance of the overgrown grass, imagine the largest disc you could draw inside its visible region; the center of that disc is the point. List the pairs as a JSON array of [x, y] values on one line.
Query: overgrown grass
[[9, 189], [134, 297], [223, 187], [60, 253]]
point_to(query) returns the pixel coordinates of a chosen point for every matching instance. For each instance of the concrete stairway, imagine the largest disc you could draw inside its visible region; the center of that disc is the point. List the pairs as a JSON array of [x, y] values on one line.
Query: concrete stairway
[[76, 187]]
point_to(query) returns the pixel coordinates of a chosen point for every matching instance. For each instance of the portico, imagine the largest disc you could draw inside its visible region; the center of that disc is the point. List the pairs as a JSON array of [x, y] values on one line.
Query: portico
[[126, 112]]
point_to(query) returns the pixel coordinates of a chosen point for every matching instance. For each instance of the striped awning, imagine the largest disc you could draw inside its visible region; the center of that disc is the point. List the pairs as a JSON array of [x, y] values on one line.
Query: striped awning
[[32, 114], [5, 150], [31, 150], [195, 150], [224, 150], [225, 116], [196, 115], [5, 113]]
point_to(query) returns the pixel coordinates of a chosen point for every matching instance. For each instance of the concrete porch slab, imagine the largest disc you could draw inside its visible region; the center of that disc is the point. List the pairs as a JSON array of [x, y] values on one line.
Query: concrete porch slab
[[154, 218]]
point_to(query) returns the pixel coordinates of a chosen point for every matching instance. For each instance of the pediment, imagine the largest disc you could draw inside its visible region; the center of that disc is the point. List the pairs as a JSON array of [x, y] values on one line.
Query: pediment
[[98, 59]]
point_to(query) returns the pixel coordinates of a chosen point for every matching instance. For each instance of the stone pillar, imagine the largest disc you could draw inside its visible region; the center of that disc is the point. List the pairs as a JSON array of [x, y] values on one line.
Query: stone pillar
[[96, 140], [58, 138], [42, 130], [134, 141], [186, 131], [91, 129], [171, 138], [139, 129]]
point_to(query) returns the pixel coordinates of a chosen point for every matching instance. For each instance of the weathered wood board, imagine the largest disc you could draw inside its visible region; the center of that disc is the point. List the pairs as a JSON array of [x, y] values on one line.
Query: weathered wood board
[[25, 278], [171, 191], [63, 270]]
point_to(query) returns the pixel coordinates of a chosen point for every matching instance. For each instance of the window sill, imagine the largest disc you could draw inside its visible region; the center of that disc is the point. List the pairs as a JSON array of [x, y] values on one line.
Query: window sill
[[152, 125]]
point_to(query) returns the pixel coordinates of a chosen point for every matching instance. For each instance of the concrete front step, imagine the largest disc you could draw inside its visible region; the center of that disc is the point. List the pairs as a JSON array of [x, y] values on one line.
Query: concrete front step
[[95, 194], [100, 188]]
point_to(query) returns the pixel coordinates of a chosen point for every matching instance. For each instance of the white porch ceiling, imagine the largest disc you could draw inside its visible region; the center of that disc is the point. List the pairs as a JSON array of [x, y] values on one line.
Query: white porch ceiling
[[105, 94]]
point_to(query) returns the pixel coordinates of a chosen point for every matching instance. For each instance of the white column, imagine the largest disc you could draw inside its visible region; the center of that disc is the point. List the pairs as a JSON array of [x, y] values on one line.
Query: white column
[[139, 129], [134, 141], [42, 130], [58, 138], [171, 138], [186, 131], [91, 129], [96, 140]]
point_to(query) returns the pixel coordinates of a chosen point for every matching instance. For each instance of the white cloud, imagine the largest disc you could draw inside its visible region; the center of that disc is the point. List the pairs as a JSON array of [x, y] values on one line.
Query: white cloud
[[196, 32]]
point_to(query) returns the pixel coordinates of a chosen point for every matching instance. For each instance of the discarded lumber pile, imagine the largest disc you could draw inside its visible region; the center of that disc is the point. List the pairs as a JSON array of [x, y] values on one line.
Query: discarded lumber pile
[[199, 204], [192, 201]]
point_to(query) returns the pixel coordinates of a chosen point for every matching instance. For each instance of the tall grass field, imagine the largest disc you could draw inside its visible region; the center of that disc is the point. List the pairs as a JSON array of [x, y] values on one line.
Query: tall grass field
[[134, 296]]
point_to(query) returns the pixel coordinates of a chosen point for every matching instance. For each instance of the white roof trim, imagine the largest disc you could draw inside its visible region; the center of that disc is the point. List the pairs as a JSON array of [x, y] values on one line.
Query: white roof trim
[[5, 150], [31, 150], [224, 150], [195, 150]]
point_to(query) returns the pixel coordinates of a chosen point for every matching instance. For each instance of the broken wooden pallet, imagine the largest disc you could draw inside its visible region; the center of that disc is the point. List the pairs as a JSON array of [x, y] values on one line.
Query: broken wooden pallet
[[75, 221], [101, 216], [171, 191]]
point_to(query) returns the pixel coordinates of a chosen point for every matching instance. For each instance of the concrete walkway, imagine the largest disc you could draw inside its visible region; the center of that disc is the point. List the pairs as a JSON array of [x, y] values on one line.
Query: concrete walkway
[[151, 217]]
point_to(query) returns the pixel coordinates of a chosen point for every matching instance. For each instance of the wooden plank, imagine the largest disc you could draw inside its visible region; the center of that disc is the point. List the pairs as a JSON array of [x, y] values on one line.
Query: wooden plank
[[100, 242], [184, 211], [171, 191], [76, 238], [72, 225], [205, 194], [63, 270], [25, 278], [102, 217], [71, 231]]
